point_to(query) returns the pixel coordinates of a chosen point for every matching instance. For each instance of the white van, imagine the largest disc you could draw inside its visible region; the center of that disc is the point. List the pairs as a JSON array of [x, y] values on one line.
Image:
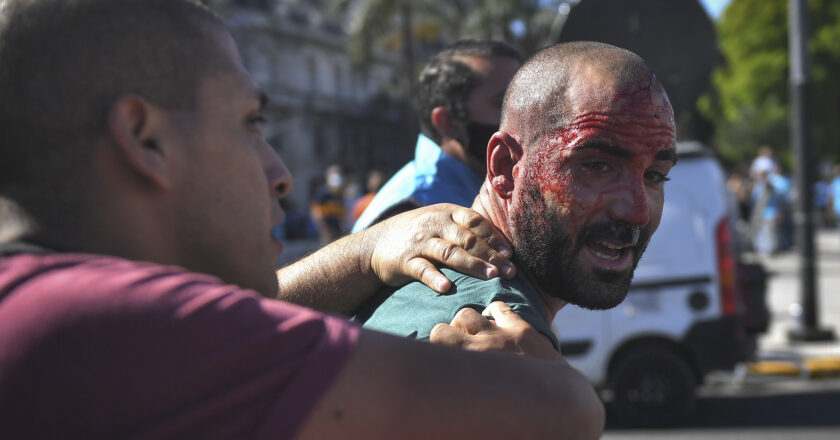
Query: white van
[[685, 314]]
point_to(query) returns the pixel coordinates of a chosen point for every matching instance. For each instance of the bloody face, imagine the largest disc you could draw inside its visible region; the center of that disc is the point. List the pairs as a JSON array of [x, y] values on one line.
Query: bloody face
[[589, 196]]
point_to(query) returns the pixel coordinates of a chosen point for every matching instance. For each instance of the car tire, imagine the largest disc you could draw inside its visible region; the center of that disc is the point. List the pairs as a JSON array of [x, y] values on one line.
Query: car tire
[[652, 386]]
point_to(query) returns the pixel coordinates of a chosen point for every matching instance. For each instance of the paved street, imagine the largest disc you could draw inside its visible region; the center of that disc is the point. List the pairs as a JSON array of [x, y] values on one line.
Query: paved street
[[802, 401], [785, 293]]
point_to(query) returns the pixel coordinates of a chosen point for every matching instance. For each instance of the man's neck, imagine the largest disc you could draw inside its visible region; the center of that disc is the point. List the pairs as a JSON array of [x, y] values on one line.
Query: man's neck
[[454, 148], [493, 208], [73, 226]]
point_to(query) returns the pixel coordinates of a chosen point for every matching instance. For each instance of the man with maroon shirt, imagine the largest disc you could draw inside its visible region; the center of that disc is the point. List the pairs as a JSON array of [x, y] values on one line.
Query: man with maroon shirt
[[137, 196]]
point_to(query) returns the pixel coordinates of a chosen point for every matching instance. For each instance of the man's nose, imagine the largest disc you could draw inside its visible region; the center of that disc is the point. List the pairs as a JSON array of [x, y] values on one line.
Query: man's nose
[[278, 176], [629, 202]]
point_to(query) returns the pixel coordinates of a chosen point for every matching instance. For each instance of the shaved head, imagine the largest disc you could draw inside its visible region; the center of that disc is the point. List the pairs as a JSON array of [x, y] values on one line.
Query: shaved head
[[546, 92], [595, 139]]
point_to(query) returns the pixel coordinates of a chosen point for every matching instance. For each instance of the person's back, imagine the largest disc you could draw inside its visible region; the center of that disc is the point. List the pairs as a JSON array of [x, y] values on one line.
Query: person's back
[[227, 365]]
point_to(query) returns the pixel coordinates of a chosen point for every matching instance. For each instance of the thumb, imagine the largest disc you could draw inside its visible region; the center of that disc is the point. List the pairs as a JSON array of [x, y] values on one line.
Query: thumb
[[504, 315]]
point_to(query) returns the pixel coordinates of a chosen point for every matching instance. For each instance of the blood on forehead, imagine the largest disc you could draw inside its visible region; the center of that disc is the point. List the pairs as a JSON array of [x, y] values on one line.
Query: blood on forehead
[[637, 120], [636, 116]]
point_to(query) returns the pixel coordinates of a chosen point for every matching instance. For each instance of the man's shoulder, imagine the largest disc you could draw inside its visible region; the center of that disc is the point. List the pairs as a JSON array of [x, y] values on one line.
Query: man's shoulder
[[414, 309], [60, 288], [61, 273], [461, 284], [104, 319]]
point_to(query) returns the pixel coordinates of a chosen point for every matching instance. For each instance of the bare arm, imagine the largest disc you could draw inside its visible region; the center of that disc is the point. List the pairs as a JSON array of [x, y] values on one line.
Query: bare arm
[[343, 275], [396, 388]]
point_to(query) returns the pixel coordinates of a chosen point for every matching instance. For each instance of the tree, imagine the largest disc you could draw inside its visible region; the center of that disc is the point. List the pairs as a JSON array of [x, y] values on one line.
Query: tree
[[749, 103], [419, 29]]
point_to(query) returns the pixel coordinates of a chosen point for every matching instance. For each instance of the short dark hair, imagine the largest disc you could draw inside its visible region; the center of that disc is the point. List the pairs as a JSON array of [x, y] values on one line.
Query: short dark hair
[[447, 82], [63, 63], [536, 100]]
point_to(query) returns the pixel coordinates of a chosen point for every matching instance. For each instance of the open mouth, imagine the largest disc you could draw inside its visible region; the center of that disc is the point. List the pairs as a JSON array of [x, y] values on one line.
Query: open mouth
[[608, 255]]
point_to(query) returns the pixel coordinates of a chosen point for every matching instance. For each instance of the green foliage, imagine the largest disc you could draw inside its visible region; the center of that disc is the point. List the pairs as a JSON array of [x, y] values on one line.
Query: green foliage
[[749, 104]]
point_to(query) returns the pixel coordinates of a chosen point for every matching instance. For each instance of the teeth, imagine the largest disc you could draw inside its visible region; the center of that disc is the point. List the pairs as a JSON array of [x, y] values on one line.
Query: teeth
[[607, 257], [610, 246]]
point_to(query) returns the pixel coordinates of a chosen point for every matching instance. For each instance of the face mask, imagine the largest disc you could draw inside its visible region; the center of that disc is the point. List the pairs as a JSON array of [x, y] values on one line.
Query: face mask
[[335, 180], [478, 135]]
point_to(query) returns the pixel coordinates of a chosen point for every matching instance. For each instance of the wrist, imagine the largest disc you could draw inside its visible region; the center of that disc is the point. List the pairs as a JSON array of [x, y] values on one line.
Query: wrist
[[365, 243]]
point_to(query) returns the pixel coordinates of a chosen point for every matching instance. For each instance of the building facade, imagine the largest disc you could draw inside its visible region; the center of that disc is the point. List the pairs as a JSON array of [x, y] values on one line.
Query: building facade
[[323, 108]]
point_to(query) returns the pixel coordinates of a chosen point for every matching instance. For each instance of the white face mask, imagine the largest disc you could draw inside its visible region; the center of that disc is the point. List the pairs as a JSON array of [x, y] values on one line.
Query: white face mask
[[335, 180]]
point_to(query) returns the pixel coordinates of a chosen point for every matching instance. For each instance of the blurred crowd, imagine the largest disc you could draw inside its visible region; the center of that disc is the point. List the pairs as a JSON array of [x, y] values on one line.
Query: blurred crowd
[[765, 197], [336, 202], [763, 190]]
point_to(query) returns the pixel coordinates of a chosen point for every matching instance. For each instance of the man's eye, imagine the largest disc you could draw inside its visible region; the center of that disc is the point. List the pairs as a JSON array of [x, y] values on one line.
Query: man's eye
[[257, 119], [597, 167], [656, 177], [257, 122]]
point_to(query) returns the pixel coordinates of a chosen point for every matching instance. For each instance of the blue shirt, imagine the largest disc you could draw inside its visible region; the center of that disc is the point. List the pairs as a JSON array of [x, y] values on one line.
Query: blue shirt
[[835, 193], [432, 177]]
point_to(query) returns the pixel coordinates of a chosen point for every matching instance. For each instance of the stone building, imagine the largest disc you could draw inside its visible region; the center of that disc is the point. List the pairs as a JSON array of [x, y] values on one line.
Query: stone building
[[323, 108]]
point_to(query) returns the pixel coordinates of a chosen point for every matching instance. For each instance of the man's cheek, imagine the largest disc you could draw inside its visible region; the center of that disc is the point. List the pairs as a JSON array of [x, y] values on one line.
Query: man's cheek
[[655, 218]]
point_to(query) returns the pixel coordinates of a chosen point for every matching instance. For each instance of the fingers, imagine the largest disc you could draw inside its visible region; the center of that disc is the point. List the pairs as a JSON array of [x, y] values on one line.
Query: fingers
[[462, 330], [486, 250], [445, 334], [423, 270], [408, 245], [456, 257], [504, 315], [470, 321], [483, 230], [507, 331], [522, 335]]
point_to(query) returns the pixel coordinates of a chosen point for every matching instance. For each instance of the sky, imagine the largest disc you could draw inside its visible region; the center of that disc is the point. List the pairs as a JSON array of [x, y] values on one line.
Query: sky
[[715, 7]]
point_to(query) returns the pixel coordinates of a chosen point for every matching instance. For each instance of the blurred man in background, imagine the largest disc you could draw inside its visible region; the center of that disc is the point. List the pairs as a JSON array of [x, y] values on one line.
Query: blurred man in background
[[375, 180], [327, 208], [460, 96]]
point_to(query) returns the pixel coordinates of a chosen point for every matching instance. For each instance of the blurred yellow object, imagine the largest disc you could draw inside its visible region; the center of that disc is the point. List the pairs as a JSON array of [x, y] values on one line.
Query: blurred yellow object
[[774, 368], [821, 367]]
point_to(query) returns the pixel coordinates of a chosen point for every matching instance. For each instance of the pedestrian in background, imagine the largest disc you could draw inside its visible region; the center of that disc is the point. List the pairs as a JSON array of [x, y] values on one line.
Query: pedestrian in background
[[460, 94], [327, 208], [765, 215], [834, 198], [375, 179]]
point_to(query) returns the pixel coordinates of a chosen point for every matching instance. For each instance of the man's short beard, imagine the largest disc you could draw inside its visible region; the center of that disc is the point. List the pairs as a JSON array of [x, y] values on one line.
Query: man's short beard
[[551, 257]]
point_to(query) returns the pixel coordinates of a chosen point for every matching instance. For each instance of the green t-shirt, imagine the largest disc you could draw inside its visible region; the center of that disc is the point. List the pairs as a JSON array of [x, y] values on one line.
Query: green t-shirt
[[413, 310]]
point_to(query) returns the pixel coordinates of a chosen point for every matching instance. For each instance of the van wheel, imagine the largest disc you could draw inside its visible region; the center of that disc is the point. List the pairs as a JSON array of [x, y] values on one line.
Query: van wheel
[[653, 386]]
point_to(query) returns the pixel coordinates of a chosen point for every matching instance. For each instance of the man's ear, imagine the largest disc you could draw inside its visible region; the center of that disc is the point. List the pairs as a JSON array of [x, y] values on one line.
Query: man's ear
[[136, 127], [444, 123], [504, 154]]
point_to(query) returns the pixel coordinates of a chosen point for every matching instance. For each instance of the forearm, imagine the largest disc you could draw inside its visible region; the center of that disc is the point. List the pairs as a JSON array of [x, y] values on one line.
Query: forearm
[[342, 276], [336, 279], [392, 388]]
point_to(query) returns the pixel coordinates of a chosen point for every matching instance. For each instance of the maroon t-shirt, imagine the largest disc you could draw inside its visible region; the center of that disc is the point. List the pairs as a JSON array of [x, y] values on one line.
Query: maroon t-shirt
[[94, 346]]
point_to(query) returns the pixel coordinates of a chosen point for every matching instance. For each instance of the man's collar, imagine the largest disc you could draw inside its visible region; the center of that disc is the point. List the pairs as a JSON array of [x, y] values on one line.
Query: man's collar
[[430, 158]]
